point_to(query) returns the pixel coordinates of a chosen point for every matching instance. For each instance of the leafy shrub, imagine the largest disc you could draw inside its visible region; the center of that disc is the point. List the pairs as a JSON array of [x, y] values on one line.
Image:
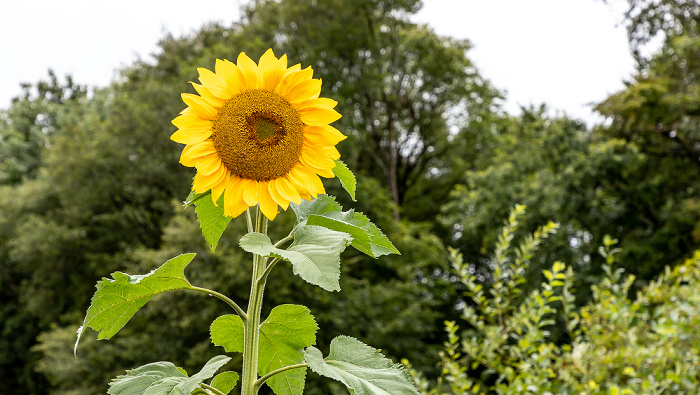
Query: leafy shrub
[[516, 343]]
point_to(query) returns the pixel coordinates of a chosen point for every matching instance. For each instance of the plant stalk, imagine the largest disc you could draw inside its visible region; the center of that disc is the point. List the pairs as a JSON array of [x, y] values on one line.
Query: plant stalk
[[251, 332]]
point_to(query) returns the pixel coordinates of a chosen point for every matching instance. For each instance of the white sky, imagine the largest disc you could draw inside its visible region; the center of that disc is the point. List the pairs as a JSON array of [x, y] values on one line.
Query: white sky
[[565, 53]]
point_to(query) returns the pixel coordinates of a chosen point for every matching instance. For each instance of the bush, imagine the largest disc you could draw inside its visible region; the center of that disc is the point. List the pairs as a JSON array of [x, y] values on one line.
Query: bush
[[541, 343]]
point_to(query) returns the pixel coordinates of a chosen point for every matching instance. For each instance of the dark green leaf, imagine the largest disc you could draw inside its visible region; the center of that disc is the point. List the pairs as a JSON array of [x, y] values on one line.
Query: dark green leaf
[[362, 369], [211, 218], [347, 179], [117, 300], [225, 381], [283, 336], [227, 332]]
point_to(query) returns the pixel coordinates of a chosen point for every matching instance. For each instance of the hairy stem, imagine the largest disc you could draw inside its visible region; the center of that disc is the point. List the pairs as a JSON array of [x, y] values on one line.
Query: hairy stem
[[223, 297], [211, 389], [264, 378], [252, 324]]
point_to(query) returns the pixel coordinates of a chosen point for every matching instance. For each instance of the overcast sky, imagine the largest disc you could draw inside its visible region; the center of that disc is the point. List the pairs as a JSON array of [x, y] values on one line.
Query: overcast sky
[[565, 53]]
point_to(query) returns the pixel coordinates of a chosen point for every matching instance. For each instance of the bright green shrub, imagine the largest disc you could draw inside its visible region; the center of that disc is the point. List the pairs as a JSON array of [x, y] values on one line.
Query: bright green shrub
[[507, 345]]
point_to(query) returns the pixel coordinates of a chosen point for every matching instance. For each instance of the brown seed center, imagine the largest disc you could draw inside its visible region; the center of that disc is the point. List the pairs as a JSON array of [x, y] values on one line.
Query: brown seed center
[[258, 135]]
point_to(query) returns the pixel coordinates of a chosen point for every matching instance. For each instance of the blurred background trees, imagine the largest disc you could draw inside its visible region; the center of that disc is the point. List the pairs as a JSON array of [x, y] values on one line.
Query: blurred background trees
[[90, 184]]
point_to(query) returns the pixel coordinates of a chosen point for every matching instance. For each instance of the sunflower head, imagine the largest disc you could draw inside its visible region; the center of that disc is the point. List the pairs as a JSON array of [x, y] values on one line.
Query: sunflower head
[[258, 133]]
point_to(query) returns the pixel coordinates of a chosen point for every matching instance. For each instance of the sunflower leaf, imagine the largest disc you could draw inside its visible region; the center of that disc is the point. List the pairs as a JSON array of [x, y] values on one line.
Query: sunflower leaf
[[361, 368], [117, 300], [225, 381], [211, 217], [326, 212], [347, 179], [163, 378], [321, 205], [283, 336], [314, 254], [227, 331]]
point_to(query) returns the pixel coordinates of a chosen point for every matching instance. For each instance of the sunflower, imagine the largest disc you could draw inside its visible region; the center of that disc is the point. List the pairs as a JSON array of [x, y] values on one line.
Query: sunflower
[[258, 133]]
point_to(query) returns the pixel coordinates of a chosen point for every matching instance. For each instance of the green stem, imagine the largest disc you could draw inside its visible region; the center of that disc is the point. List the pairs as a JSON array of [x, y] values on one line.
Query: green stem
[[264, 378], [223, 297], [211, 389], [268, 269], [251, 332]]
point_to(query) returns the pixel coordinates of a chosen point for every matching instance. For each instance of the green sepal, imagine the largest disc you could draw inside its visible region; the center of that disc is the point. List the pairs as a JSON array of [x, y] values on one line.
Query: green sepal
[[119, 298], [361, 368], [211, 216], [347, 179], [163, 378], [314, 254], [326, 212]]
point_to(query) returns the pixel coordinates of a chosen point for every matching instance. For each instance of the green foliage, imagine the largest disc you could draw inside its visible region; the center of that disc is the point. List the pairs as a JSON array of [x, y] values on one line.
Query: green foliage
[[225, 381], [163, 378], [314, 255], [325, 212], [347, 179], [616, 345], [118, 299], [362, 369], [211, 217], [284, 335]]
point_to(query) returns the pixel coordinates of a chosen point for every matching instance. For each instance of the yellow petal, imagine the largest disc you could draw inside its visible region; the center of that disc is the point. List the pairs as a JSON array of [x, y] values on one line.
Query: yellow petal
[[270, 71], [204, 182], [309, 180], [283, 62], [215, 84], [267, 205], [317, 161], [190, 136], [322, 102], [200, 106], [250, 191], [232, 75], [315, 116], [323, 135], [249, 70], [219, 188], [209, 164], [192, 154], [190, 120], [234, 205], [331, 152], [287, 190], [276, 196], [294, 78], [304, 91], [292, 69], [210, 98]]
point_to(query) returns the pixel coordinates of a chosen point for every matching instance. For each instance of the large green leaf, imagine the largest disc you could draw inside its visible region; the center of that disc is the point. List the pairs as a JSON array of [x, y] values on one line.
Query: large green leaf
[[314, 254], [283, 336], [227, 331], [163, 378], [225, 381], [325, 211], [362, 369], [211, 216], [347, 179], [319, 206], [117, 300]]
